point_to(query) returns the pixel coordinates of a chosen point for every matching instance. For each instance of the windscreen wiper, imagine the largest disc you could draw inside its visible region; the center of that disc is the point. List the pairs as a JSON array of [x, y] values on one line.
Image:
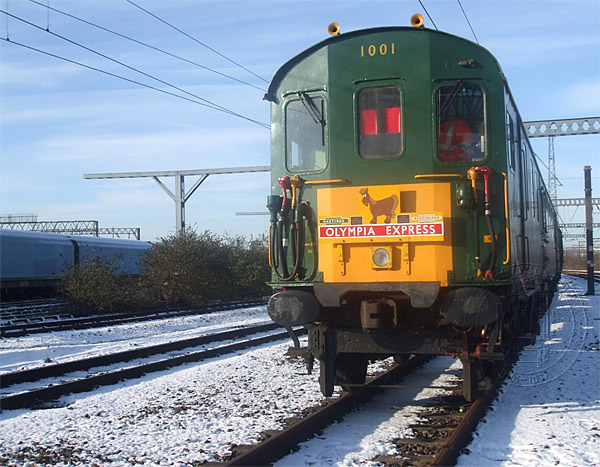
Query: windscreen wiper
[[314, 112], [451, 97]]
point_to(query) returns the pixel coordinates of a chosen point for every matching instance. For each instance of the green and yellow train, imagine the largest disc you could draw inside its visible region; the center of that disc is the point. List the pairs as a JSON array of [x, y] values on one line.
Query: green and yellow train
[[408, 214]]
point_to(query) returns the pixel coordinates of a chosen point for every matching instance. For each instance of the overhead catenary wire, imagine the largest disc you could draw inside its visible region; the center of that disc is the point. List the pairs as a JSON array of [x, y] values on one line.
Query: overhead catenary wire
[[148, 45], [548, 169], [7, 35], [428, 15], [205, 102], [468, 22], [197, 41], [129, 80], [112, 59]]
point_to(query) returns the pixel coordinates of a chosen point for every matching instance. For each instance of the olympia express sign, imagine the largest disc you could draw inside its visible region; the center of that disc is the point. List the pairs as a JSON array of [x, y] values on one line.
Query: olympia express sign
[[426, 229]]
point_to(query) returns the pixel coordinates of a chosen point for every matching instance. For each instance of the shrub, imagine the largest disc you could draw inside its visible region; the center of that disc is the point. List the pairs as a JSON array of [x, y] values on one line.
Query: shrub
[[183, 269], [187, 268], [95, 284], [250, 265]]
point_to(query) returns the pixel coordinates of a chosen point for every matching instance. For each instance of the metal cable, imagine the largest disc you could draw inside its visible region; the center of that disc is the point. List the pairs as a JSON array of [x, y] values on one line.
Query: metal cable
[[197, 41], [468, 22], [146, 45]]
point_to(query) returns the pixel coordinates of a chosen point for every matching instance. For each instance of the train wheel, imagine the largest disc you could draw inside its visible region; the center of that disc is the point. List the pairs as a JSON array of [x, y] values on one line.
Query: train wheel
[[351, 370]]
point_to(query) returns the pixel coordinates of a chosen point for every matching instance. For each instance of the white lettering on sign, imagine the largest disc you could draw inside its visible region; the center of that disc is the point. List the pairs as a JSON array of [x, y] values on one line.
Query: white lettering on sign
[[383, 230]]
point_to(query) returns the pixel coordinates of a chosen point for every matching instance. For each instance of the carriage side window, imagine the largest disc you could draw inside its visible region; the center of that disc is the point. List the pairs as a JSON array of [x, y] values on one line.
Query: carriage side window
[[525, 159], [379, 122], [305, 134], [510, 138], [461, 122]]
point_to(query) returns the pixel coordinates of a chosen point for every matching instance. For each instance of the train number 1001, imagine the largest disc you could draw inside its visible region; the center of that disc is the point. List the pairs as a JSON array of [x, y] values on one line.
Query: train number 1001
[[372, 50]]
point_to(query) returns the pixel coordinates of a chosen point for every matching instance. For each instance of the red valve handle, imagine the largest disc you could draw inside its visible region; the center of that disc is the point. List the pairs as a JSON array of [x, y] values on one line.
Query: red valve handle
[[284, 182], [487, 173]]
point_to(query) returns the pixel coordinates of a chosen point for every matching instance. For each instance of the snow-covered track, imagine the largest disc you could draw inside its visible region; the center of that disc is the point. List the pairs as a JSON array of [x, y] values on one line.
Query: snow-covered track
[[279, 443], [583, 274], [445, 430], [447, 427], [34, 326], [23, 312], [46, 394]]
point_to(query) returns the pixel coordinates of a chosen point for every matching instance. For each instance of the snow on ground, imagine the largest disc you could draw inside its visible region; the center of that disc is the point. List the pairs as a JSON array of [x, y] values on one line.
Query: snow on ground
[[176, 417], [42, 349], [549, 411]]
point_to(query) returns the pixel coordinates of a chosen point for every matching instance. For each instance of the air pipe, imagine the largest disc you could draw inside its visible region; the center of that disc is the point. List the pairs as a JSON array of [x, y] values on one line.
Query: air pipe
[[486, 172], [278, 241]]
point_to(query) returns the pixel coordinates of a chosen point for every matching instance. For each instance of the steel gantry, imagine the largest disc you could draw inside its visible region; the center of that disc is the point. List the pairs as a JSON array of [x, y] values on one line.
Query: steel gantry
[[553, 128], [180, 196]]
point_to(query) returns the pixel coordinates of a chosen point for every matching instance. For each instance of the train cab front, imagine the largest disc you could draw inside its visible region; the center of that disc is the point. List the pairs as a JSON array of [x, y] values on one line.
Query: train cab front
[[386, 218]]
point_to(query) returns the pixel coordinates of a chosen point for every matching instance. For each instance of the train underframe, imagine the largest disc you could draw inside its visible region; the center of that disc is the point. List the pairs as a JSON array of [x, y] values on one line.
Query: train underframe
[[368, 326]]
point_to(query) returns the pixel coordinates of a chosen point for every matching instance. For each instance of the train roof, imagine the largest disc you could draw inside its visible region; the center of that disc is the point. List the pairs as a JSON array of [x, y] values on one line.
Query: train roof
[[285, 68], [43, 236]]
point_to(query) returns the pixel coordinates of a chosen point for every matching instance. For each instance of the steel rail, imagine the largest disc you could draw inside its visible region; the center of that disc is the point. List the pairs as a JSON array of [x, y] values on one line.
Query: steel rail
[[31, 398], [59, 369], [461, 436], [117, 318]]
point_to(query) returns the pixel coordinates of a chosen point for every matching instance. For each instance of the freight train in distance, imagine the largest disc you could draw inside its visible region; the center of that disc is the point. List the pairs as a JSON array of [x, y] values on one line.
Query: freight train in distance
[[31, 262], [407, 211]]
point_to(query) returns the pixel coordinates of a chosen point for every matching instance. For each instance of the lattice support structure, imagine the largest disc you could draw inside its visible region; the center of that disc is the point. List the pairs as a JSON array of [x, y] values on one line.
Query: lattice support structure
[[62, 227], [574, 202], [573, 126], [116, 232], [71, 228], [551, 168], [553, 128]]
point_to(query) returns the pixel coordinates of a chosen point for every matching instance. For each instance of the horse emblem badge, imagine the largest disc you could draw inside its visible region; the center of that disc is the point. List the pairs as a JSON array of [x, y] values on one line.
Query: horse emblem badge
[[383, 207]]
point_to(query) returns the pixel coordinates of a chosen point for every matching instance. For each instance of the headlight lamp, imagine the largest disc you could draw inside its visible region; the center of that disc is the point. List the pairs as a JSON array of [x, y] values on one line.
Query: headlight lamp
[[382, 257]]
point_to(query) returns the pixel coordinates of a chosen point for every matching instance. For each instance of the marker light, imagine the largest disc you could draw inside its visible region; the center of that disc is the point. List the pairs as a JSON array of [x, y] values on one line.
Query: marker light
[[417, 20], [333, 29]]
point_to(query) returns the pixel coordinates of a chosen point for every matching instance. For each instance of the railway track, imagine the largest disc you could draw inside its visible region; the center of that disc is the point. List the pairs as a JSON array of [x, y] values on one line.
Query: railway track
[[50, 321], [37, 397], [583, 274], [33, 311], [277, 444], [446, 428]]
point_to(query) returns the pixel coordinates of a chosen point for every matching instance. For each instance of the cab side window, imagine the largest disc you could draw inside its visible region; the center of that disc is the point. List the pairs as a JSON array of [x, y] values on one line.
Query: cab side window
[[379, 122], [461, 122], [305, 134]]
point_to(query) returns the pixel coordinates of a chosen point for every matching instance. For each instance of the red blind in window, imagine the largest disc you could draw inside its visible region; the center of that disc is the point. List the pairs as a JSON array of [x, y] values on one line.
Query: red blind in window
[[392, 120], [369, 121]]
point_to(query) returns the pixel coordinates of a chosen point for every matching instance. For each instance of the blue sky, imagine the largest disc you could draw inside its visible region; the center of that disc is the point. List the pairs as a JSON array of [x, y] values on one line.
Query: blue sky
[[60, 120]]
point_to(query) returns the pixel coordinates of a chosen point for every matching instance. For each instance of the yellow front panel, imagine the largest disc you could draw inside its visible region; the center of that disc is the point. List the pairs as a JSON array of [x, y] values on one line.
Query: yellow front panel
[[411, 222]]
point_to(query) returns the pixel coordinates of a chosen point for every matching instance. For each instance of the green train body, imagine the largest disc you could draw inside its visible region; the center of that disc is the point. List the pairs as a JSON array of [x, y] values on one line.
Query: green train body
[[408, 214]]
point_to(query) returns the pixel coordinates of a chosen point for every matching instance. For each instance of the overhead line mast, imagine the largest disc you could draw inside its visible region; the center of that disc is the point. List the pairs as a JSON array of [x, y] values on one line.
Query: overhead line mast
[[180, 196], [553, 128]]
